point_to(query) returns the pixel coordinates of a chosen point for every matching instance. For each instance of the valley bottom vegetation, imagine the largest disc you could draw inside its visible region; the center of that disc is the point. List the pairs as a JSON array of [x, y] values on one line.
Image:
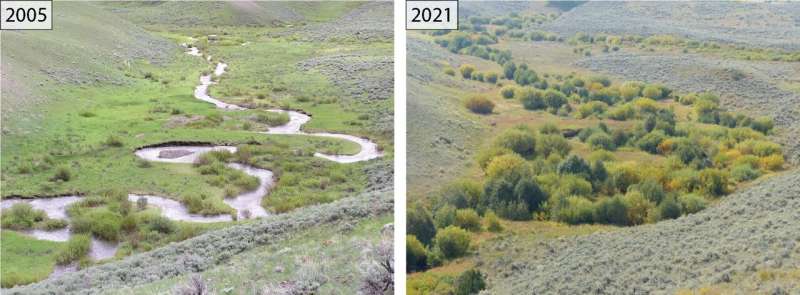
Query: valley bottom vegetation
[[519, 142]]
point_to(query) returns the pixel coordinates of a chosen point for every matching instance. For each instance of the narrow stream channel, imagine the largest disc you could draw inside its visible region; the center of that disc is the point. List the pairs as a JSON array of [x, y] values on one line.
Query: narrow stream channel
[[247, 205]]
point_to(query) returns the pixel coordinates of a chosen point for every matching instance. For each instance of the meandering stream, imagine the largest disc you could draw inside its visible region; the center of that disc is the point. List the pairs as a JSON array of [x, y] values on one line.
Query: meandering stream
[[247, 205]]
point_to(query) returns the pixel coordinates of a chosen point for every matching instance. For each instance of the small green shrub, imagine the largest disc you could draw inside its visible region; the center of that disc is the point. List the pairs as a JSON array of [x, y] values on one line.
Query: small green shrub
[[574, 164], [508, 91], [444, 216], [479, 105], [420, 224], [491, 77], [691, 203], [453, 242], [466, 71], [713, 182], [416, 256], [492, 222], [450, 71], [611, 211], [550, 144], [470, 282], [744, 172], [601, 141], [530, 98], [577, 210], [468, 219], [668, 209], [519, 141]]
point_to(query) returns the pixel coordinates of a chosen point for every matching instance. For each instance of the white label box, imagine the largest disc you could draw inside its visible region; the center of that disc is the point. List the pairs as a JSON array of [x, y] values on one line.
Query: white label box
[[431, 15], [26, 15]]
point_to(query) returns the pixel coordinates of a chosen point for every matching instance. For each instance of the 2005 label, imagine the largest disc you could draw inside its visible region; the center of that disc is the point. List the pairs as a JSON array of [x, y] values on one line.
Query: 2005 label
[[431, 15], [26, 15]]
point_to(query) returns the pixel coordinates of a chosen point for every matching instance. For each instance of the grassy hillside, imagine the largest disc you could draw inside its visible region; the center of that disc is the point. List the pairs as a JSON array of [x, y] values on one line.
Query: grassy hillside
[[88, 47]]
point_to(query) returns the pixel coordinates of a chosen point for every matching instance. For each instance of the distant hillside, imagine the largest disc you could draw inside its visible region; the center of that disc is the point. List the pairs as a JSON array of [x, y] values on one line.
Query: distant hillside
[[234, 13], [88, 45], [772, 25]]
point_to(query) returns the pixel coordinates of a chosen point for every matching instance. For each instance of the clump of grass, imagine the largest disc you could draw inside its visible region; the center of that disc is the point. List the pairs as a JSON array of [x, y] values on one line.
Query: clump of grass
[[141, 163], [86, 114], [63, 173], [77, 247], [113, 141], [22, 216], [273, 118], [52, 224]]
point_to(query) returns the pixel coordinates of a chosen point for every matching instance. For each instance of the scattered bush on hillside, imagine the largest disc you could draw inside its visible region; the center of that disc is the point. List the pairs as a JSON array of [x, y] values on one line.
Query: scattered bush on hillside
[[479, 105], [638, 207], [668, 209], [466, 71], [463, 194], [416, 256], [453, 242], [549, 144], [574, 164], [591, 108], [530, 98], [470, 282], [492, 222], [744, 172], [444, 216], [491, 77], [486, 156], [611, 211], [449, 71], [520, 141], [468, 219], [691, 203], [649, 143], [713, 182], [575, 210], [762, 124], [420, 224], [508, 91], [772, 162], [601, 141], [554, 99]]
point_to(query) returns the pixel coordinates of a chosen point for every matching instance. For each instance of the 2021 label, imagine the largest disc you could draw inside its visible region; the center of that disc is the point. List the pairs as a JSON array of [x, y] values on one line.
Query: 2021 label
[[431, 15]]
